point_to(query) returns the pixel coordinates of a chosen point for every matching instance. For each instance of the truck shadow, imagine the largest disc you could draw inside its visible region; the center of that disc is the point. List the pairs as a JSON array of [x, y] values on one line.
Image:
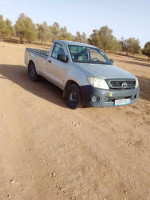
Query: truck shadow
[[43, 88]]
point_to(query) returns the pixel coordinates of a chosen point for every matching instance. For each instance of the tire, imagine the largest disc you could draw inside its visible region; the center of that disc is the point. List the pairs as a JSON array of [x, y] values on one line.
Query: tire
[[32, 73], [73, 96]]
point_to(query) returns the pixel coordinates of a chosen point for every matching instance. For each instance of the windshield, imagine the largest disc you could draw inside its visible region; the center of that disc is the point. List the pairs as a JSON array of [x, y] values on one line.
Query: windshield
[[85, 54]]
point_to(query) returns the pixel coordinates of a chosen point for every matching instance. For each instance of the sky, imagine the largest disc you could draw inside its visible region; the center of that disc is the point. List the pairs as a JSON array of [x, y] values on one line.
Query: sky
[[127, 18]]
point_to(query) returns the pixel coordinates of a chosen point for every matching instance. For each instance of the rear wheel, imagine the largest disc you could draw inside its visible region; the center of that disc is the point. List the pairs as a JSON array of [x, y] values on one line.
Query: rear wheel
[[32, 73], [73, 96]]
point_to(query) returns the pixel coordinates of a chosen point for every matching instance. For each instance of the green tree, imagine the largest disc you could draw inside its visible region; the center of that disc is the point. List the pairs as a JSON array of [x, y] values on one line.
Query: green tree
[[64, 34], [78, 37], [146, 50], [106, 37], [25, 29], [94, 39], [30, 30], [55, 31], [44, 33], [133, 46], [124, 45], [69, 36], [102, 38], [117, 46], [83, 38], [20, 29], [8, 28], [10, 31], [2, 27], [40, 32]]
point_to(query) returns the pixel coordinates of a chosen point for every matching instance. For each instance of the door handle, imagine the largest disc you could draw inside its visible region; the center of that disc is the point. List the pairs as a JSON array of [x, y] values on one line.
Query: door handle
[[49, 61]]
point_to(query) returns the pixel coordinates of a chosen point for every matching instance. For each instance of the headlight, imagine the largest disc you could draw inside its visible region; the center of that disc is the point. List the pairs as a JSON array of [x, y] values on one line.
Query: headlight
[[98, 83], [137, 83]]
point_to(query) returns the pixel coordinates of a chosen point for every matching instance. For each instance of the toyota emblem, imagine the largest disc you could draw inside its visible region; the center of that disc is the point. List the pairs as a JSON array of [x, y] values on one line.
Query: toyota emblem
[[124, 85]]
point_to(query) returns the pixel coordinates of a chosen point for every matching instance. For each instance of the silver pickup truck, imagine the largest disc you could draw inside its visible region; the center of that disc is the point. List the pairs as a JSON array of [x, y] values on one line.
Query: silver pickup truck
[[84, 73]]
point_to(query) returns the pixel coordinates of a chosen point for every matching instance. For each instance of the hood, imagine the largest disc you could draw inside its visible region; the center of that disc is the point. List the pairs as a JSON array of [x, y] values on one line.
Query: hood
[[105, 71]]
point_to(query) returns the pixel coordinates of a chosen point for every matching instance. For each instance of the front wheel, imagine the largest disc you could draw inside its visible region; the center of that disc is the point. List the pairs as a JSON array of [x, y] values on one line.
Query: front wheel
[[73, 96], [32, 73]]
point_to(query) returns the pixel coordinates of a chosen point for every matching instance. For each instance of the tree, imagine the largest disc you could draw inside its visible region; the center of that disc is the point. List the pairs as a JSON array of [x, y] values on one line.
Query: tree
[[83, 38], [10, 31], [40, 32], [94, 39], [69, 36], [55, 31], [2, 27], [6, 28], [30, 30], [20, 29], [25, 28], [146, 50], [133, 46], [117, 46], [44, 33], [124, 45], [106, 37], [102, 38], [64, 34], [78, 37]]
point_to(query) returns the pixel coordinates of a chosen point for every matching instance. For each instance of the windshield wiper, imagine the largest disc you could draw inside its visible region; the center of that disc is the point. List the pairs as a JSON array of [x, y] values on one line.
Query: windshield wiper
[[99, 62], [81, 61], [91, 62]]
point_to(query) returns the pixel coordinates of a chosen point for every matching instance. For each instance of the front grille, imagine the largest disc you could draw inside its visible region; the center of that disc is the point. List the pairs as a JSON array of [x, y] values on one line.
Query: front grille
[[121, 84]]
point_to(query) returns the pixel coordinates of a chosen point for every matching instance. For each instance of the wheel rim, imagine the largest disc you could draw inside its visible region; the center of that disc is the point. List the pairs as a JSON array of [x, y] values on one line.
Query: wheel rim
[[31, 71], [73, 97]]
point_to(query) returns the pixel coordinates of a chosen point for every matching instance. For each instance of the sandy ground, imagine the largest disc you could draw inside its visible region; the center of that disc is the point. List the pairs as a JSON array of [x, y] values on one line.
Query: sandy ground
[[49, 152]]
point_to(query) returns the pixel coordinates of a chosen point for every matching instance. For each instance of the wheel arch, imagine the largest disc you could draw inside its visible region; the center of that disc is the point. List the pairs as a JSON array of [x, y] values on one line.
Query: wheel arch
[[69, 82], [31, 62]]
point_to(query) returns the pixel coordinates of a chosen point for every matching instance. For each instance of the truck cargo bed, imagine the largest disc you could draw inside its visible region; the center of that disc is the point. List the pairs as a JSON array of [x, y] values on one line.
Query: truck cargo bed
[[39, 52]]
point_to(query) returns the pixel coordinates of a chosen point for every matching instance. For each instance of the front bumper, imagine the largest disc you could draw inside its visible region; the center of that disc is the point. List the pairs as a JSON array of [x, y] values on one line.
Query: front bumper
[[106, 98]]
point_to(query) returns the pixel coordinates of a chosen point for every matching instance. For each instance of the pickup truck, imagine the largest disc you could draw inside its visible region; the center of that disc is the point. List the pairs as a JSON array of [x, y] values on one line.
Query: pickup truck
[[84, 73]]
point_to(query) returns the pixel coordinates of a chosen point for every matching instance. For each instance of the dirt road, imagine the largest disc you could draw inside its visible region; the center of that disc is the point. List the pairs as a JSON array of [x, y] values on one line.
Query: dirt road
[[49, 152]]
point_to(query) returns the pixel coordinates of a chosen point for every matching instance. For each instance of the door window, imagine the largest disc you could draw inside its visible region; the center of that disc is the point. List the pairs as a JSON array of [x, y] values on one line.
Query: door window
[[58, 49]]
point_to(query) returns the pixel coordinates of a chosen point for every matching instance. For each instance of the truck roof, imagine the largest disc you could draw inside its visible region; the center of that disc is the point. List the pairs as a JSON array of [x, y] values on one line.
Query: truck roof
[[74, 43]]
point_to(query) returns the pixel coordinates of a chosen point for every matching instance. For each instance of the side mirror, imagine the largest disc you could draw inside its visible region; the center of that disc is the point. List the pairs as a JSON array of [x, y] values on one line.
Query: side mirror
[[111, 61], [62, 58]]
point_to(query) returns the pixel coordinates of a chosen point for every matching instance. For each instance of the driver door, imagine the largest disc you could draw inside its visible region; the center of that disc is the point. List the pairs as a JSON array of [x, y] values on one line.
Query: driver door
[[56, 69]]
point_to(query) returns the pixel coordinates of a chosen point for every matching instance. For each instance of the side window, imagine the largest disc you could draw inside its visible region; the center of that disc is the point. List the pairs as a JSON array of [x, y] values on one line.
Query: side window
[[58, 49]]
